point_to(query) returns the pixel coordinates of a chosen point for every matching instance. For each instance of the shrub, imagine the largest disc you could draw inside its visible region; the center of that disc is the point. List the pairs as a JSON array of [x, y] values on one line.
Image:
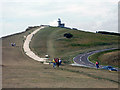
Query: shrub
[[68, 35]]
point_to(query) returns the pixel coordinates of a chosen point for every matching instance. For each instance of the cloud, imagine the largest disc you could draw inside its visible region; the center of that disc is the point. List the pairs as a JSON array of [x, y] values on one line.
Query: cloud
[[53, 23], [86, 14], [25, 9]]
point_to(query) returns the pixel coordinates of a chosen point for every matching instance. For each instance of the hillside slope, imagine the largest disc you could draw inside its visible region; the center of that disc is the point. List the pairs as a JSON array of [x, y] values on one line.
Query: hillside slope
[[20, 71], [51, 41]]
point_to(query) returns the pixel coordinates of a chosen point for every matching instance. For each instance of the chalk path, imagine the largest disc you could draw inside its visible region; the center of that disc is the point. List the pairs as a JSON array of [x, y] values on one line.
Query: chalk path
[[27, 50]]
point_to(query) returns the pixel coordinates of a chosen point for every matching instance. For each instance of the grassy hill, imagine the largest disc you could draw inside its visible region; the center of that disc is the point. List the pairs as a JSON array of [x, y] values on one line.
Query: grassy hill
[[110, 57], [20, 71], [51, 41]]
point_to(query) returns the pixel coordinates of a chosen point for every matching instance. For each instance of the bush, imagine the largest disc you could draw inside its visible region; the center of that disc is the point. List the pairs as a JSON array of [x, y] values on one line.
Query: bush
[[68, 35]]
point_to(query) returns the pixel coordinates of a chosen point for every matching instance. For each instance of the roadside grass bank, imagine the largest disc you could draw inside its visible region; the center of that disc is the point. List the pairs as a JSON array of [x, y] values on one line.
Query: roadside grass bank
[[110, 57]]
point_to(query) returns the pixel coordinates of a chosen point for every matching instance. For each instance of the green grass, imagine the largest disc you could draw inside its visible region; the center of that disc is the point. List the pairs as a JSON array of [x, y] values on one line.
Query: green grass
[[97, 57], [51, 41], [20, 71], [90, 75]]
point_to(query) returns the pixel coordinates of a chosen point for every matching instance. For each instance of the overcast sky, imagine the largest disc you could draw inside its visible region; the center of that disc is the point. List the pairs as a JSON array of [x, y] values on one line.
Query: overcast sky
[[88, 15]]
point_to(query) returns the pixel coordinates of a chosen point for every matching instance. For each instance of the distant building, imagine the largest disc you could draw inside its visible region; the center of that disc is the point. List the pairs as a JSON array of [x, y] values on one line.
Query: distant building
[[108, 33], [67, 27], [60, 24], [74, 28]]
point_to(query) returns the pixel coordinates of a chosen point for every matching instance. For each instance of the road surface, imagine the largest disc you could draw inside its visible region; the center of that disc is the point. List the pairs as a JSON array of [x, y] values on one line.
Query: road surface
[[82, 59]]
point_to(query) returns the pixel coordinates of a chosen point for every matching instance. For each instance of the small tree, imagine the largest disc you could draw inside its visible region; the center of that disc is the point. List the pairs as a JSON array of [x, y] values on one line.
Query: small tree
[[68, 35]]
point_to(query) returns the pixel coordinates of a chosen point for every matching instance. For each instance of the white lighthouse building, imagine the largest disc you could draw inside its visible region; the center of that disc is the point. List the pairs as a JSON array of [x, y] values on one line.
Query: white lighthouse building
[[60, 24]]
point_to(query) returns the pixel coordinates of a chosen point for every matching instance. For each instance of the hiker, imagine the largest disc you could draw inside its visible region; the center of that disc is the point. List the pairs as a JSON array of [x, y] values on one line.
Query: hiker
[[11, 44], [97, 65], [54, 63], [14, 44], [57, 62], [60, 61]]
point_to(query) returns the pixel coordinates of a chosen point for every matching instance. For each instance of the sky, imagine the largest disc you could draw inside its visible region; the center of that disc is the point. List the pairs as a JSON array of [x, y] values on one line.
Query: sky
[[87, 15]]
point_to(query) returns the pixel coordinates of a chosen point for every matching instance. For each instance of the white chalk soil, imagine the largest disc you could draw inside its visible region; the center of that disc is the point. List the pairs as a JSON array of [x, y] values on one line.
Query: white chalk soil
[[27, 50]]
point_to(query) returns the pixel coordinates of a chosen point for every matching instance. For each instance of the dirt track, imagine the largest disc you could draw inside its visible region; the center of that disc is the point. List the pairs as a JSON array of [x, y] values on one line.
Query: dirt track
[[27, 49]]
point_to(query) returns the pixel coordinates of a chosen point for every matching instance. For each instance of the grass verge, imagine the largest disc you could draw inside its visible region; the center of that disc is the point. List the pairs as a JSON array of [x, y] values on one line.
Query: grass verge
[[111, 59]]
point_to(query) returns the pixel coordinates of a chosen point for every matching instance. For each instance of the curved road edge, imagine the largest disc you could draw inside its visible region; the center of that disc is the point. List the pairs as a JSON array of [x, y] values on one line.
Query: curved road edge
[[82, 59]]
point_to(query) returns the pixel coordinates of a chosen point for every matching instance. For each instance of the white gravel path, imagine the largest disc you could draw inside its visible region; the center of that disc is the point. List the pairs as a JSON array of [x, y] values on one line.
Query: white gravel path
[[27, 48]]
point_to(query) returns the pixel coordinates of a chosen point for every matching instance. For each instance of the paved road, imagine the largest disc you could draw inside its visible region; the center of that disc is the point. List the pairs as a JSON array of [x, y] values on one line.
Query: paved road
[[82, 59]]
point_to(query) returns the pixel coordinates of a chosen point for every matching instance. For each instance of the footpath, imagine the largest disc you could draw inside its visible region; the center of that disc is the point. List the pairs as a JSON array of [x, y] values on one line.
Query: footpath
[[27, 50]]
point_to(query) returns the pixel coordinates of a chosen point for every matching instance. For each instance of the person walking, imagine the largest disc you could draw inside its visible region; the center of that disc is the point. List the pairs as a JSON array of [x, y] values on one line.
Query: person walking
[[57, 61], [97, 65], [54, 63], [14, 44], [60, 61]]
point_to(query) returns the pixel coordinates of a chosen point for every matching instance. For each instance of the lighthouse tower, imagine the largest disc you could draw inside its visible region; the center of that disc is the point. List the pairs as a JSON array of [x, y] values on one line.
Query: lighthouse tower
[[60, 24]]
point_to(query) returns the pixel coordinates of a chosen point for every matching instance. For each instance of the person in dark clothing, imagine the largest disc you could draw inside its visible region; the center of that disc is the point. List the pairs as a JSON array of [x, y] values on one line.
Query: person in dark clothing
[[54, 63], [57, 62], [60, 61], [97, 65]]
